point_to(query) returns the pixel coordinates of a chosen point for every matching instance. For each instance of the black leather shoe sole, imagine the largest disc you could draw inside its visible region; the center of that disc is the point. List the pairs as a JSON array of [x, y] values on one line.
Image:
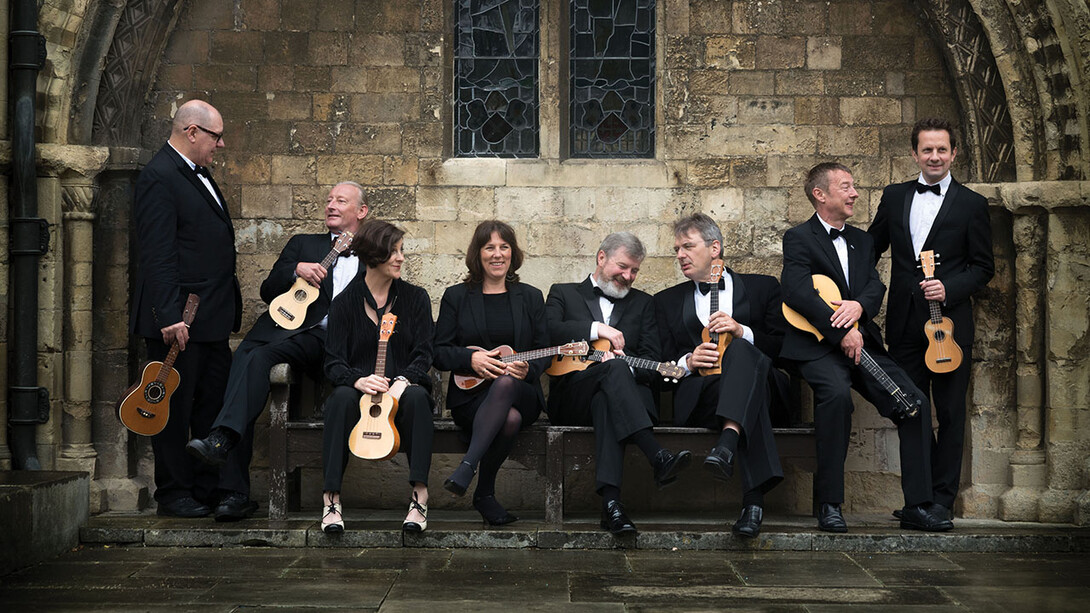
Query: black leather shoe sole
[[226, 513], [205, 453], [188, 508], [681, 462], [747, 529], [619, 530], [939, 526], [452, 487], [718, 467]]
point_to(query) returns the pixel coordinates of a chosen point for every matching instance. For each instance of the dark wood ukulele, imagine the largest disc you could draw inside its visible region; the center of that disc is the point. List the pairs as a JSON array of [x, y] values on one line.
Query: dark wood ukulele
[[289, 309], [563, 364], [907, 405], [144, 408], [375, 436], [720, 340], [943, 354], [508, 355]]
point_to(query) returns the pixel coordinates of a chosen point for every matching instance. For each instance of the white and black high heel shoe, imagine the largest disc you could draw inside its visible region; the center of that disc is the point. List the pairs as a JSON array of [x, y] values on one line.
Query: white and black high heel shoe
[[412, 526]]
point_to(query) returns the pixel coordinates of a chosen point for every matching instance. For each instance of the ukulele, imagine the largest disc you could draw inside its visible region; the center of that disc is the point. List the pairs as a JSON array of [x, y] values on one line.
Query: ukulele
[[943, 354], [508, 355], [375, 436], [720, 340], [907, 405], [289, 309], [563, 364], [144, 408]]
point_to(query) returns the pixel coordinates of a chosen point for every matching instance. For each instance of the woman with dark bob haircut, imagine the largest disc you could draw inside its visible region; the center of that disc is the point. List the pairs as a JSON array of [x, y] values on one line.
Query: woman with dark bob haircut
[[351, 351], [489, 309]]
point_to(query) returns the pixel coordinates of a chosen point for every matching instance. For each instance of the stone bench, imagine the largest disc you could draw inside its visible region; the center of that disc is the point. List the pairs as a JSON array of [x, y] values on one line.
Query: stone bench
[[296, 443]]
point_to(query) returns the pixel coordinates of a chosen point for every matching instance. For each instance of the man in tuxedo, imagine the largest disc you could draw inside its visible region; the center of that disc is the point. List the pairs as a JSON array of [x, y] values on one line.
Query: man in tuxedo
[[185, 243], [934, 212], [735, 402], [612, 397], [826, 245], [230, 442]]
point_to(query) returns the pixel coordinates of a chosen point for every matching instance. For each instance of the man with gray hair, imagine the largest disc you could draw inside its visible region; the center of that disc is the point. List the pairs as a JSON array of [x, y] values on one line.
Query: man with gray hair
[[735, 399], [611, 396], [230, 442]]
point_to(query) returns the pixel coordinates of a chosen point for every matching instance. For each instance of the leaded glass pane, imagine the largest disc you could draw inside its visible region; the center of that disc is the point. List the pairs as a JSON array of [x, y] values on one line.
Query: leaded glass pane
[[495, 78], [612, 78]]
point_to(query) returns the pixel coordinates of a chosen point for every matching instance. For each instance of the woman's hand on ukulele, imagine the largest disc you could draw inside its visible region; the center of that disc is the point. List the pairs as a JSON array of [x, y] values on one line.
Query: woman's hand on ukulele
[[487, 364], [372, 384]]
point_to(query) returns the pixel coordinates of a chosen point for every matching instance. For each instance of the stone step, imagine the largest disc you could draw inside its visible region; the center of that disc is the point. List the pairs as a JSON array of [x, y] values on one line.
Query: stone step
[[460, 529]]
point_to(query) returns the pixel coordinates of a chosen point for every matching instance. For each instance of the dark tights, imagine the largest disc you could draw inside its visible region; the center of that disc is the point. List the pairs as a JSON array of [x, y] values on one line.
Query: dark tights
[[495, 427]]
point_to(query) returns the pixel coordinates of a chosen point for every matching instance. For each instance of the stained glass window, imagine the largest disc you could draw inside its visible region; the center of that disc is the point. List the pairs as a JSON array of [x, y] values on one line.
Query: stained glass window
[[495, 78], [612, 78]]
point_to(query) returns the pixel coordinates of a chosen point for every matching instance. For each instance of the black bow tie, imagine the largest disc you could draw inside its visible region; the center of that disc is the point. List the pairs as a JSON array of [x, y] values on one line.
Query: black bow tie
[[598, 292], [935, 189], [834, 233], [706, 287], [201, 171]]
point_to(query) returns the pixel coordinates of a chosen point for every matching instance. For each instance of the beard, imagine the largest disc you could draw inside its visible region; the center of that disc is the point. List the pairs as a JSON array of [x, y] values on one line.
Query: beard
[[614, 288]]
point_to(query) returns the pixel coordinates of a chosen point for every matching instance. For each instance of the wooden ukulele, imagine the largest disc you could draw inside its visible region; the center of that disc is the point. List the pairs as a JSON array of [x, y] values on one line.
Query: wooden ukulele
[[289, 309], [508, 355], [563, 364], [720, 340], [907, 404], [375, 436], [144, 408], [943, 354]]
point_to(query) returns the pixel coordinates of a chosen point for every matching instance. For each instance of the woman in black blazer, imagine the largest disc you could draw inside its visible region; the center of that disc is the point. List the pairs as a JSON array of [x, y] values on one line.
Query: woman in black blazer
[[351, 347], [489, 309]]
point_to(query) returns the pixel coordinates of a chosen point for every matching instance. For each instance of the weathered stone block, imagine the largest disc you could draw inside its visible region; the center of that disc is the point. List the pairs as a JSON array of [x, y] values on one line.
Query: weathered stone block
[[779, 52], [757, 17], [850, 18], [805, 17], [386, 108], [382, 16], [463, 171], [725, 205], [684, 52], [275, 78], [400, 170], [236, 47], [706, 16], [437, 203], [266, 201], [298, 15], [363, 169], [823, 53], [371, 138], [313, 78], [756, 83], [855, 83], [766, 111], [817, 111], [730, 52], [293, 169], [526, 204], [870, 111], [378, 50], [708, 82], [289, 105], [799, 82]]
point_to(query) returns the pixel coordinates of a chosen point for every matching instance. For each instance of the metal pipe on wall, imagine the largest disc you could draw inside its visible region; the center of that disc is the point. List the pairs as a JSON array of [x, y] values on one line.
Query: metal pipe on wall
[[29, 403]]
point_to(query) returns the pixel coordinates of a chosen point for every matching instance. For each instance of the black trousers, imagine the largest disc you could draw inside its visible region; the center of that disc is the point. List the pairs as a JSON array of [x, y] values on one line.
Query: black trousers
[[248, 393], [202, 369], [948, 392], [414, 426], [742, 393], [832, 377], [607, 397]]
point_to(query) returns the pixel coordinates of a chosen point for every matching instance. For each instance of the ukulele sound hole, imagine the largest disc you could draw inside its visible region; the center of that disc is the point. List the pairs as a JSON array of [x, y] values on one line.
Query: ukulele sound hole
[[940, 335], [375, 410], [154, 392], [300, 295]]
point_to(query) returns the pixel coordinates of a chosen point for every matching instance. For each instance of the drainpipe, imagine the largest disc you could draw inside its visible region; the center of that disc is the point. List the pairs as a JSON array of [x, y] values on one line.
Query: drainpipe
[[29, 403]]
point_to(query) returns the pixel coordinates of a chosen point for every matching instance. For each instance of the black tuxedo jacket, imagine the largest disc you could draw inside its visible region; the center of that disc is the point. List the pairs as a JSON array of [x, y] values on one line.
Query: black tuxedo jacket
[[962, 237], [300, 248], [572, 307], [462, 323], [757, 304], [807, 250], [185, 244]]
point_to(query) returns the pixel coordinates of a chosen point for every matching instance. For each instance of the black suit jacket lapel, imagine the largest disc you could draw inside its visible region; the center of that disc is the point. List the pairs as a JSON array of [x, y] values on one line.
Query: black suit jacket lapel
[[940, 218], [587, 291], [475, 298], [514, 293], [857, 265], [190, 176], [741, 299], [690, 321], [618, 310], [906, 212]]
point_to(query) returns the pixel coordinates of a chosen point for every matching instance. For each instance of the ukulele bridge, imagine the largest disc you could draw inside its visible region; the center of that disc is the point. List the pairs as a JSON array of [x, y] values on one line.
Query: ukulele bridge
[[287, 315], [144, 414]]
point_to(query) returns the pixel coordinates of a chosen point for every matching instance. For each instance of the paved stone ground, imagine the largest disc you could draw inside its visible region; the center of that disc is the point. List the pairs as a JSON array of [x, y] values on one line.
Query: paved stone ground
[[415, 580]]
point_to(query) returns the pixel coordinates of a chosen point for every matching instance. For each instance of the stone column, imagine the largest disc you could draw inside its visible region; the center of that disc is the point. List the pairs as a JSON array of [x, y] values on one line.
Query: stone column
[[77, 451], [1028, 470]]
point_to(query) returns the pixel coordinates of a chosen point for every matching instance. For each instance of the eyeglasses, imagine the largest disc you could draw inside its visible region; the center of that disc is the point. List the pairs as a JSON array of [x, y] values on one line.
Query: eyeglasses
[[217, 135]]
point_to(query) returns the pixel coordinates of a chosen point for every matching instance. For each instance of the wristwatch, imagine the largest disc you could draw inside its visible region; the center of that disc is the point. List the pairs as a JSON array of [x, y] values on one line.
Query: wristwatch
[[401, 378]]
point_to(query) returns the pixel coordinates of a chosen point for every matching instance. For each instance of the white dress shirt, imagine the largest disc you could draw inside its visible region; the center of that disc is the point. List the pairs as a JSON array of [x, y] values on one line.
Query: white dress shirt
[[204, 179], [344, 270], [841, 246], [925, 207]]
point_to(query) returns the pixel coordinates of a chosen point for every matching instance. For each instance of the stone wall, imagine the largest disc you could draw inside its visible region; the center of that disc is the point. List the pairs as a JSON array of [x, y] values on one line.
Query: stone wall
[[749, 96]]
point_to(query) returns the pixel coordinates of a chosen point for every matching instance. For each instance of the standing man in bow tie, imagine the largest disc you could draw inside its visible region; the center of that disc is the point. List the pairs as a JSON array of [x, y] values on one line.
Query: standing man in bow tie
[[185, 243], [611, 396], [231, 441], [826, 245], [735, 402], [934, 212]]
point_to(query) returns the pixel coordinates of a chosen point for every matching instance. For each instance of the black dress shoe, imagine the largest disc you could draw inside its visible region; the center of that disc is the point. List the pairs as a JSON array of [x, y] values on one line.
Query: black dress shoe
[[749, 523], [667, 466], [234, 507], [615, 520], [830, 519], [493, 512], [921, 517], [184, 507], [942, 511], [459, 480], [897, 513], [213, 448], [720, 463]]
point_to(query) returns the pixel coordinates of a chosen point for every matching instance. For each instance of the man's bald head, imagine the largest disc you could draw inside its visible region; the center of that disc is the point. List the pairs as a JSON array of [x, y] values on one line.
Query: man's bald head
[[194, 112], [197, 131]]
